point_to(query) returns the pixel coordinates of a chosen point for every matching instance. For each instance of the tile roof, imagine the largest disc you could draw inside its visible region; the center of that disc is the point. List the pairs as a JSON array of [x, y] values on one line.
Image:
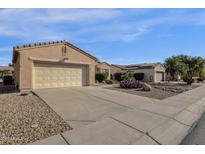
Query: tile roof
[[137, 65], [3, 68], [143, 65], [38, 44], [41, 44]]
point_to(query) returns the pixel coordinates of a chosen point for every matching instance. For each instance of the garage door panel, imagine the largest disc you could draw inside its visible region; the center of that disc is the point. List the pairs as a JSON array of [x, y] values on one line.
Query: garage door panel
[[159, 76], [51, 76]]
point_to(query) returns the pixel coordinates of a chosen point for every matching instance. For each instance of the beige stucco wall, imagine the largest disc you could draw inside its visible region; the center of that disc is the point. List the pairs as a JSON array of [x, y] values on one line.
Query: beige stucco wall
[[149, 74], [49, 52], [102, 67], [115, 69], [159, 68]]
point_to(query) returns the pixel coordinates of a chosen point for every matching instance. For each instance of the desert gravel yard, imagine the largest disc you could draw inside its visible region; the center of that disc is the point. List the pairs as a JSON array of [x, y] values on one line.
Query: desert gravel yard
[[25, 119], [159, 90]]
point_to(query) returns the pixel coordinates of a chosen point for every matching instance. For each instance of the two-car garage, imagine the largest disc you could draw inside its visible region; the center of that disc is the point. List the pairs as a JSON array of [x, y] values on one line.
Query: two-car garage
[[52, 75], [52, 65]]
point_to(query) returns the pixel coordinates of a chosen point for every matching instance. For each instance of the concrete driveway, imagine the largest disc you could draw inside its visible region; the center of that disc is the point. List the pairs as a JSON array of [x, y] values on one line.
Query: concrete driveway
[[83, 105], [102, 116]]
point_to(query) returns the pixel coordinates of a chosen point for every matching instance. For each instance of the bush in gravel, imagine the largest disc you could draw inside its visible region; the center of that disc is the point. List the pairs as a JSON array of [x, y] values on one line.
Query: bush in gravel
[[7, 80], [109, 81], [118, 76], [123, 75], [188, 79], [100, 77], [128, 75], [138, 76], [130, 83]]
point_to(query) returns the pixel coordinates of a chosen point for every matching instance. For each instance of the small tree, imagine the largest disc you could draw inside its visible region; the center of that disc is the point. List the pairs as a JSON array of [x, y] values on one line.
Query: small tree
[[188, 79]]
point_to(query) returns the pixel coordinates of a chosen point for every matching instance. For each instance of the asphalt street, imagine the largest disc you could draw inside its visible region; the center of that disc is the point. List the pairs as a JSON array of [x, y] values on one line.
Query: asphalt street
[[197, 136]]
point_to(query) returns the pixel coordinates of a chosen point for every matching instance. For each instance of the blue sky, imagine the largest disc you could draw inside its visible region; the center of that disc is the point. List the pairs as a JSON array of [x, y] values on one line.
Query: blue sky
[[120, 36]]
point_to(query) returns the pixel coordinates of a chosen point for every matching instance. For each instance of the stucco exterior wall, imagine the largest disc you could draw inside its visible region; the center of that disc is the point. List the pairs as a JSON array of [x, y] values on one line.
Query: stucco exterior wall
[[115, 69], [50, 52], [159, 68], [149, 74], [103, 68]]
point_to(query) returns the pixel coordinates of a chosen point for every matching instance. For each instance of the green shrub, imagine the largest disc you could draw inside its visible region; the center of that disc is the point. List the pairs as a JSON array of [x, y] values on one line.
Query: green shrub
[[188, 79], [128, 75], [109, 81], [123, 75], [138, 76], [119, 76], [100, 77], [7, 80], [7, 72]]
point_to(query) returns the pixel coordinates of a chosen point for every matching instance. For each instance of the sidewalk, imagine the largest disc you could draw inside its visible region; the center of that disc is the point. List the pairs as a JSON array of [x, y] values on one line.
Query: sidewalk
[[162, 122]]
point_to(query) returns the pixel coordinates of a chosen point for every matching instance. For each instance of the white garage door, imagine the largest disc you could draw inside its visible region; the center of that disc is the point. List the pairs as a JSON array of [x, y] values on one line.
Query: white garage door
[[53, 76], [159, 76]]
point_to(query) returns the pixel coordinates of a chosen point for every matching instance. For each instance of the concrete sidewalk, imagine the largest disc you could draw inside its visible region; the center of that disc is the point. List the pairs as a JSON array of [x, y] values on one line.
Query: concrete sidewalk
[[161, 122]]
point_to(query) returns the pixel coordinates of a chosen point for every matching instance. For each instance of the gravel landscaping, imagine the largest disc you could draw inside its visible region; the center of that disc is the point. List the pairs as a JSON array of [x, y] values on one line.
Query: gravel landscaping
[[25, 119], [159, 91]]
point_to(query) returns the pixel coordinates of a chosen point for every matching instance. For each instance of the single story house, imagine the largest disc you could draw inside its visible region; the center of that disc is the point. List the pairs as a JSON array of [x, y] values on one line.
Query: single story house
[[52, 64], [153, 72], [103, 67]]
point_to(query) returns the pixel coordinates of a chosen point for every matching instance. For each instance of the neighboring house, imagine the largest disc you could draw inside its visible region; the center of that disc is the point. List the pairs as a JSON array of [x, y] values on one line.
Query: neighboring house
[[4, 69], [115, 69], [52, 64], [153, 72], [103, 67]]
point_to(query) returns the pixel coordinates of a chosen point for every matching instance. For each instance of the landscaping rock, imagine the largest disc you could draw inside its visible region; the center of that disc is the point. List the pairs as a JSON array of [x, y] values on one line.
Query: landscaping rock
[[34, 125], [26, 119], [145, 86], [176, 88]]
